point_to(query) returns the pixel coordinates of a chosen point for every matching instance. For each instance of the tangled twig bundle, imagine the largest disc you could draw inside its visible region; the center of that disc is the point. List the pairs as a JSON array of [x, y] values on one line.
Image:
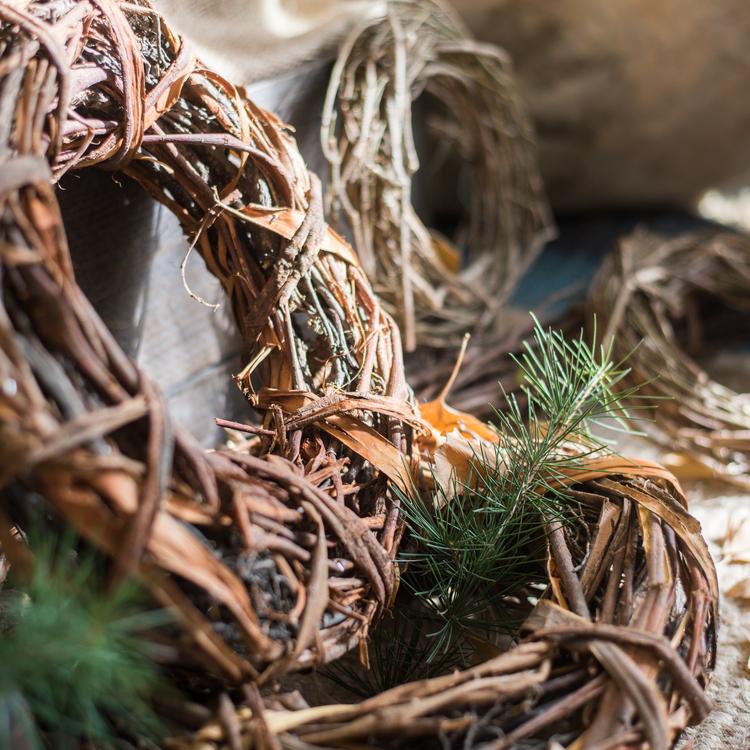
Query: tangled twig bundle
[[307, 534], [278, 555], [656, 297], [436, 291], [617, 651]]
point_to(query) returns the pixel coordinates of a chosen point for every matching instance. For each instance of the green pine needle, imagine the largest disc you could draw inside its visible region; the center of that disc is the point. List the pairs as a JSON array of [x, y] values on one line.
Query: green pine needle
[[74, 662], [479, 548], [399, 652]]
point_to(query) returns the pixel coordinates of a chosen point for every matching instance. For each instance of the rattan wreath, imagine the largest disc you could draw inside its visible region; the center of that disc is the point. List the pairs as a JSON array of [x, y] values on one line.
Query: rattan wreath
[[436, 291], [278, 555], [616, 654], [657, 297]]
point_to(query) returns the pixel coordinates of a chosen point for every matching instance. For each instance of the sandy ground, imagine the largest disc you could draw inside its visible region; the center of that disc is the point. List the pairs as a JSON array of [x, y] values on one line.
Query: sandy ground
[[728, 727], [718, 506]]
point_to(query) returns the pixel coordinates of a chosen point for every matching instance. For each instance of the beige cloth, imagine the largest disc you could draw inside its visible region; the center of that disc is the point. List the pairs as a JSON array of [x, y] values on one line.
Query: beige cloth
[[249, 40]]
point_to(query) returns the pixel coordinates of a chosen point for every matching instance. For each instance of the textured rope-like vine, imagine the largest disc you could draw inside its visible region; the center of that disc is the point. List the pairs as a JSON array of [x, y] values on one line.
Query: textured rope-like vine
[[420, 49]]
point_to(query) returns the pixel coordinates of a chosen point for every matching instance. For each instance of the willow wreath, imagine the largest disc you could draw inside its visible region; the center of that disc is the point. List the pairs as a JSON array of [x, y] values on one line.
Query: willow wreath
[[668, 300], [108, 83], [611, 656], [420, 49]]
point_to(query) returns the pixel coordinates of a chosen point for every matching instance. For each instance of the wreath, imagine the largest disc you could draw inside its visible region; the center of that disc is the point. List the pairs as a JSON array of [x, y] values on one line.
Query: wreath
[[419, 53], [670, 301]]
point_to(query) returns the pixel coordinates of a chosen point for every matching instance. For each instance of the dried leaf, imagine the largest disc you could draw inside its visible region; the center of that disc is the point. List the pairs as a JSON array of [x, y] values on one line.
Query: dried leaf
[[371, 446], [458, 459], [740, 590], [445, 419], [448, 254], [735, 547]]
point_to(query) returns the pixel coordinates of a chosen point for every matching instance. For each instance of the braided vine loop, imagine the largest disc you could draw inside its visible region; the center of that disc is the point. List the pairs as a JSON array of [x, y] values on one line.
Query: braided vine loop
[[419, 52], [651, 294]]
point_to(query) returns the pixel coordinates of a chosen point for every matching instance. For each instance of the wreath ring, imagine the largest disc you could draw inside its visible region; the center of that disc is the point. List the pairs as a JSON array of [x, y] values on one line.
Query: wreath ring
[[656, 296]]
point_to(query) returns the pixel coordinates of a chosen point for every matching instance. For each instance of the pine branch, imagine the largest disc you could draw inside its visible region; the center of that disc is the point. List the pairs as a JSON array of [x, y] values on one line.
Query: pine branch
[[399, 652], [74, 661], [479, 547]]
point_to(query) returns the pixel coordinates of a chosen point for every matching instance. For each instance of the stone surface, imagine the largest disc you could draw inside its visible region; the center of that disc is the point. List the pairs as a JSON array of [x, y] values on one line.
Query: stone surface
[[728, 726]]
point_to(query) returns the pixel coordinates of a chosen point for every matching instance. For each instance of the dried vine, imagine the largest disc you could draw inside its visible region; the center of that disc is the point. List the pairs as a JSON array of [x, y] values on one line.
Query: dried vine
[[662, 299], [437, 291]]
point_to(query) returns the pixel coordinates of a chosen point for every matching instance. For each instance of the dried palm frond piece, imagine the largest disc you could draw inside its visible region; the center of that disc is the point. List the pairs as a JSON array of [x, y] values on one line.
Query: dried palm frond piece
[[437, 291], [274, 556], [669, 300]]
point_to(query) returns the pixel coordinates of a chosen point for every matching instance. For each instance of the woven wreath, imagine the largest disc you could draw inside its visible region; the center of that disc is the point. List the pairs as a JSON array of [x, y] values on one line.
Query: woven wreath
[[616, 653], [658, 297], [420, 49], [279, 554], [108, 83]]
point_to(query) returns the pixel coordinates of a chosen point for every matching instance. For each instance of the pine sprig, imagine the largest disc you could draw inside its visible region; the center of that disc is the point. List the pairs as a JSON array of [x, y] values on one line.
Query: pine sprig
[[478, 546], [400, 651], [474, 548], [573, 392], [74, 661]]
